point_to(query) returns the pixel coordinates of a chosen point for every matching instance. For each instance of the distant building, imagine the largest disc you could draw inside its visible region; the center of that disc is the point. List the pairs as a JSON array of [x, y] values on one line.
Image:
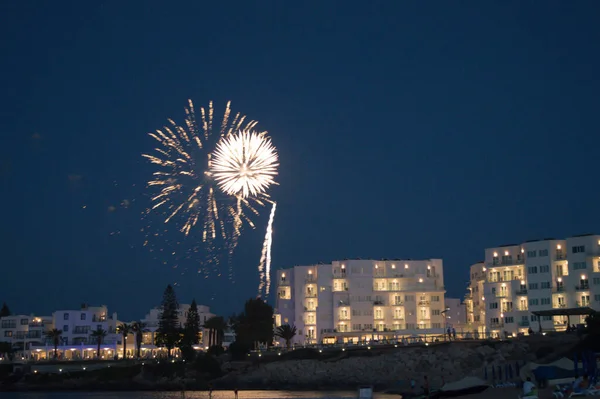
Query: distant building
[[151, 321], [24, 332], [456, 315], [362, 300], [555, 275]]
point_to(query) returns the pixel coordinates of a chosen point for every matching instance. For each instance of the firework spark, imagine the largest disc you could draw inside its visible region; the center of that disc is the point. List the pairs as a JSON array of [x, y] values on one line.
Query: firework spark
[[213, 177], [245, 164], [187, 189], [264, 267]]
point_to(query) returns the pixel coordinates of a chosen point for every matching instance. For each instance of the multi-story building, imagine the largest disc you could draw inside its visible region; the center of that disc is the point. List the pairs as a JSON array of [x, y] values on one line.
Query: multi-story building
[[362, 300], [537, 276], [24, 332], [474, 299]]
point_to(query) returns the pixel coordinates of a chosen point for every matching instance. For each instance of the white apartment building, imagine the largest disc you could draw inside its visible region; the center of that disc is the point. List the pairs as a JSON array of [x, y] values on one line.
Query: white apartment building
[[362, 300], [474, 299], [24, 332], [560, 276]]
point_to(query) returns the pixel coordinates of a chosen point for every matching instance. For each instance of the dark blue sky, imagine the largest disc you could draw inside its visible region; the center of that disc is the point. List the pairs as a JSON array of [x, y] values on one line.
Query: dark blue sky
[[405, 129]]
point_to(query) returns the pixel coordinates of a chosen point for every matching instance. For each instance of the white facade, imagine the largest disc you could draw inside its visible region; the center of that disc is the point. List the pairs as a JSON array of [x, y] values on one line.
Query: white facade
[[78, 325], [25, 331], [539, 275], [362, 300], [474, 299], [456, 315]]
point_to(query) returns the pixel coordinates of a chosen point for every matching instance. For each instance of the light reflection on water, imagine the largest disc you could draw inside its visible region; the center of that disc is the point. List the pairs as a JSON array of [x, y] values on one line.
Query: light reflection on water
[[191, 395]]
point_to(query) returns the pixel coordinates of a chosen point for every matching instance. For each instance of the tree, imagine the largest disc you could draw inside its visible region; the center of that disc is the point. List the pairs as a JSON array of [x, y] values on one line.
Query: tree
[[99, 335], [5, 311], [139, 329], [168, 333], [216, 327], [192, 325], [593, 324], [255, 324], [124, 329], [287, 333], [54, 336]]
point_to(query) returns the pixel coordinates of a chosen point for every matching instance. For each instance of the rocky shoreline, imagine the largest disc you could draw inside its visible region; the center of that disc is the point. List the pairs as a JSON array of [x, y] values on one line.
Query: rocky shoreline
[[381, 368]]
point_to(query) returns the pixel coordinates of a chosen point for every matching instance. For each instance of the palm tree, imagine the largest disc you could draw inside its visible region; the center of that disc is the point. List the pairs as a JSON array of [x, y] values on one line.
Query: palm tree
[[124, 329], [54, 335], [216, 330], [287, 333], [139, 329], [99, 335]]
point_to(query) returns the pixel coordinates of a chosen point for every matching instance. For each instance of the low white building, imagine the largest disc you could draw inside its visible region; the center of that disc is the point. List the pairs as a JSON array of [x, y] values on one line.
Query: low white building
[[362, 300], [23, 332], [151, 322]]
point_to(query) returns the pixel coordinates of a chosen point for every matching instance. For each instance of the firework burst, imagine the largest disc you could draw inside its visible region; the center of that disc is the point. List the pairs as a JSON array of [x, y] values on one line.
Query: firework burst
[[245, 164], [213, 177]]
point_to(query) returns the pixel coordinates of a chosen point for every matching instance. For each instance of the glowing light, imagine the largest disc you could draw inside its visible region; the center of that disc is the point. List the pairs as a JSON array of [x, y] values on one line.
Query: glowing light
[[495, 254], [506, 253], [211, 176], [559, 279], [264, 267], [244, 164], [406, 265], [558, 246]]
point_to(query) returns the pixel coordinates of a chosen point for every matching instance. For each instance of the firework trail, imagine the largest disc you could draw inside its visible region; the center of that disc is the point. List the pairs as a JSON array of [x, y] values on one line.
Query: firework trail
[[212, 177], [264, 267]]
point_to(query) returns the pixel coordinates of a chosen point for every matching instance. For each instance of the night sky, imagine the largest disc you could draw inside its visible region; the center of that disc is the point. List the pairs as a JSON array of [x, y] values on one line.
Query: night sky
[[405, 130]]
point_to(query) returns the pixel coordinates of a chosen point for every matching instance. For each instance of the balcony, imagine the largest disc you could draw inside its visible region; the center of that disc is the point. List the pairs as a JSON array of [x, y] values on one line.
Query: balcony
[[310, 294], [379, 303], [584, 287], [523, 323], [423, 326], [379, 317], [340, 289], [507, 309], [423, 303], [501, 294], [344, 318], [521, 292], [36, 324], [310, 279], [560, 256], [559, 289], [284, 283], [339, 275], [310, 323], [310, 309], [398, 303], [500, 279], [398, 317], [583, 304], [559, 305], [496, 325], [468, 296], [342, 304]]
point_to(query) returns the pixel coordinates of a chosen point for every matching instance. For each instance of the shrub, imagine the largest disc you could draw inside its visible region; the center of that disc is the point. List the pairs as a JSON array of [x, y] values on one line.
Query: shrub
[[216, 350], [205, 363], [239, 350]]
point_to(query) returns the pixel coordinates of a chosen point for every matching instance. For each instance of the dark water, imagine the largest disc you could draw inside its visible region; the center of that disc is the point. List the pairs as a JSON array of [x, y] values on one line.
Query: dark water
[[191, 395]]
